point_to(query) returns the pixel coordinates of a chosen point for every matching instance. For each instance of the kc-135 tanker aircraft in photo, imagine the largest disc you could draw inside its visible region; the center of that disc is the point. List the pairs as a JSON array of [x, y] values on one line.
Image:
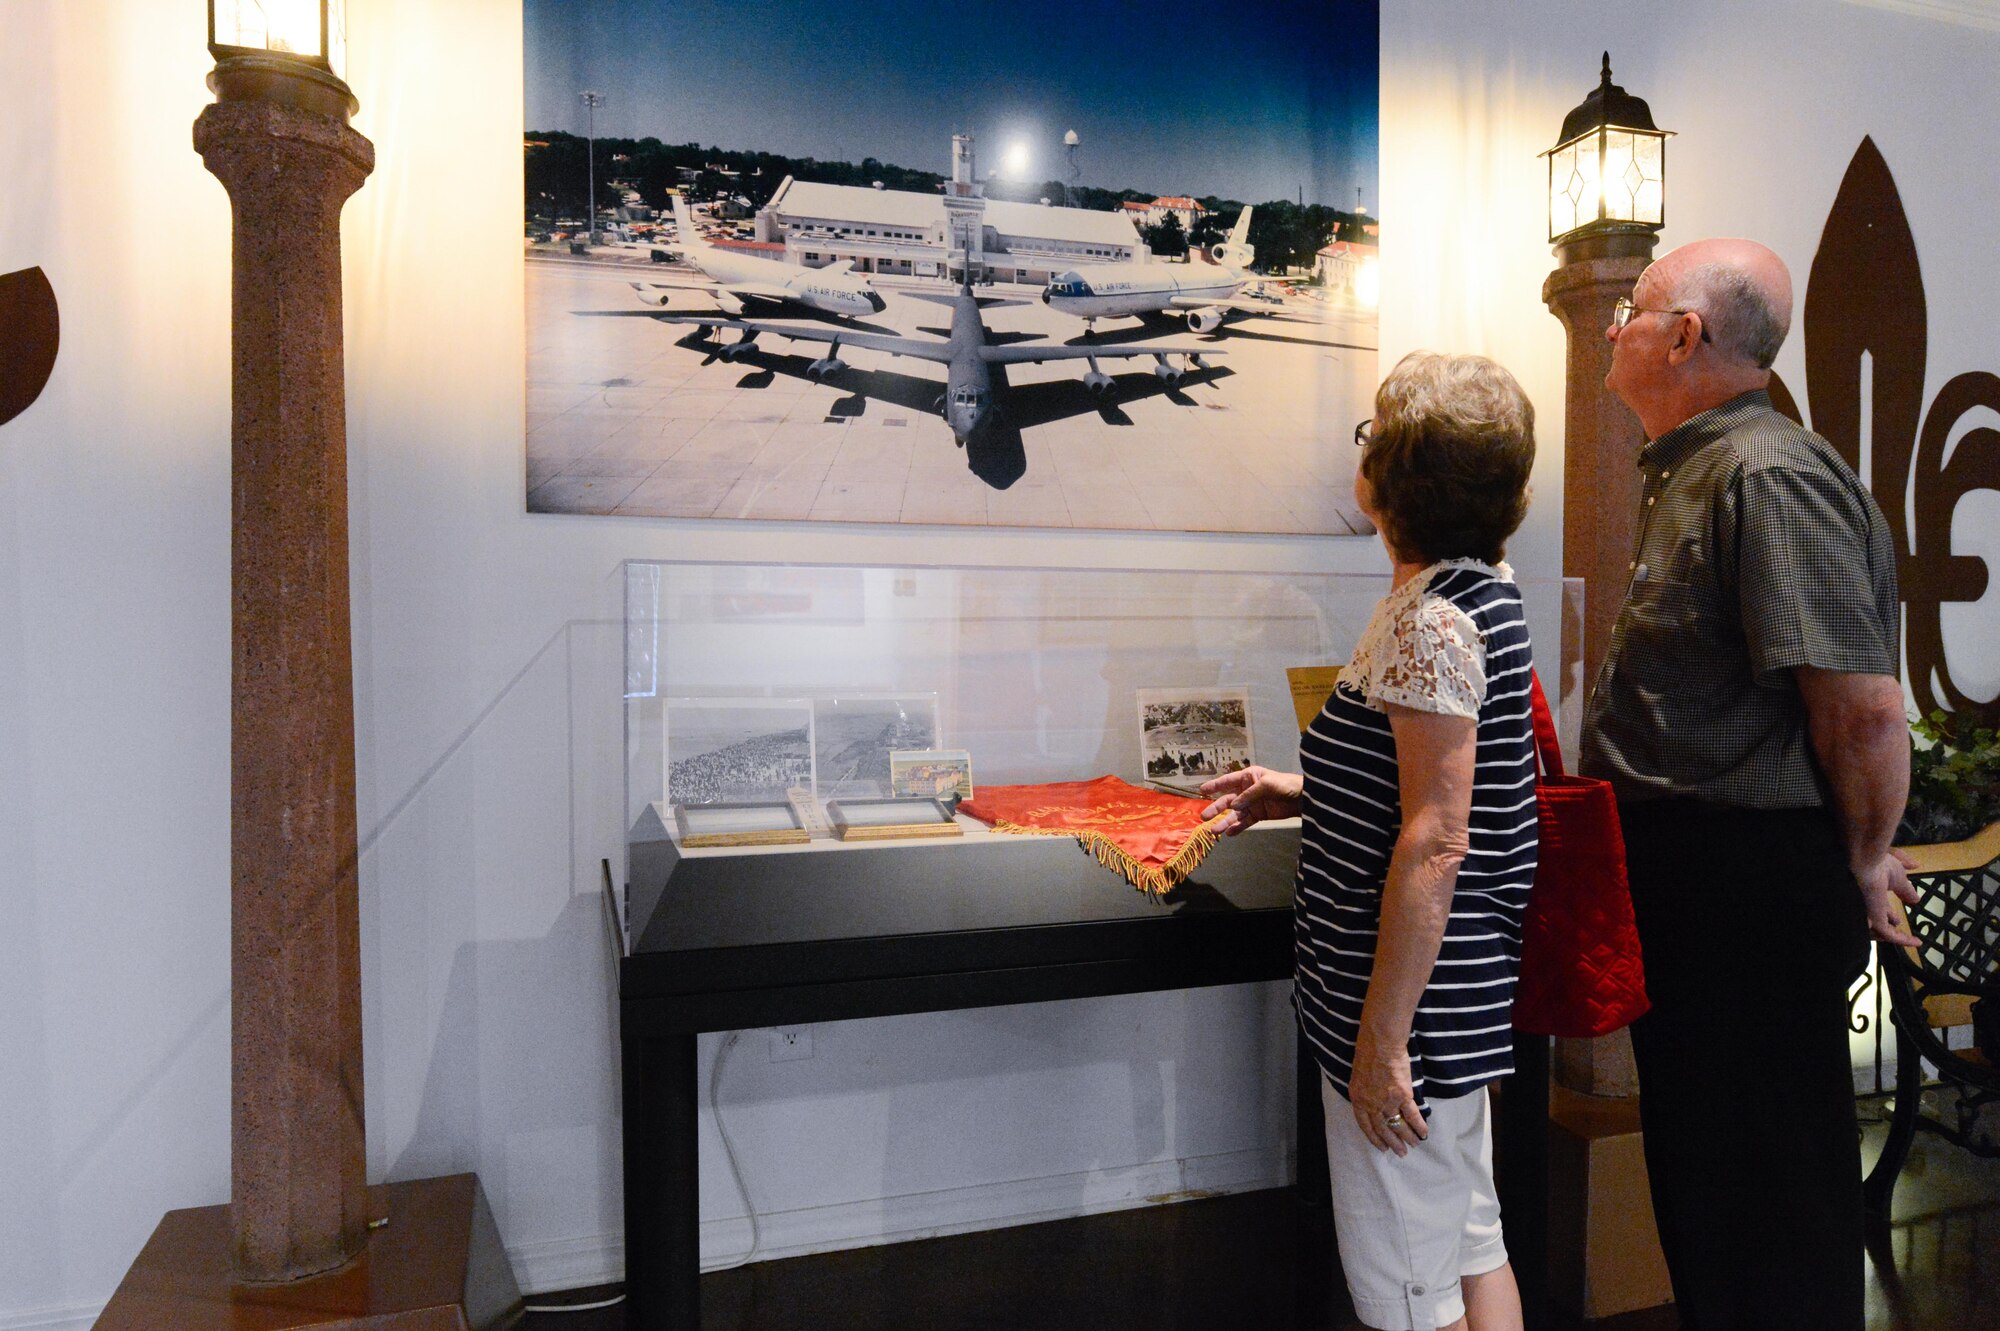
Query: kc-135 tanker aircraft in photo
[[1206, 295], [738, 280], [792, 296]]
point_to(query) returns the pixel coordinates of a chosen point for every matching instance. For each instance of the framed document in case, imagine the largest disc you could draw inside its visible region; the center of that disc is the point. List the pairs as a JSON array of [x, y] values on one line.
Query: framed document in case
[[739, 825], [891, 820]]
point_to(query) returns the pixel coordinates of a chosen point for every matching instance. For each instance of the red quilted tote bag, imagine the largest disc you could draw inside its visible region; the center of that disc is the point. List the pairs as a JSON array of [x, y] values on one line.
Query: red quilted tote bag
[[1581, 972]]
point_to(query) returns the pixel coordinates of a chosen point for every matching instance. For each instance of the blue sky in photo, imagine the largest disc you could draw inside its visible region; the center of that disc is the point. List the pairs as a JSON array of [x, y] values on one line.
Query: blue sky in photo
[[1251, 101]]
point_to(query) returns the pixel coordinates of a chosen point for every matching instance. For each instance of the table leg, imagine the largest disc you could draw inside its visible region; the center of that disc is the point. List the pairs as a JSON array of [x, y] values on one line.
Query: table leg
[[662, 1192], [1521, 1160], [1310, 1180]]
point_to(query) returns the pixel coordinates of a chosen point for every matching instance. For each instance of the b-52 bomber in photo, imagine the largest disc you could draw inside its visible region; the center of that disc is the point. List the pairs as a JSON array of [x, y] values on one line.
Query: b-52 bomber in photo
[[739, 280], [975, 365]]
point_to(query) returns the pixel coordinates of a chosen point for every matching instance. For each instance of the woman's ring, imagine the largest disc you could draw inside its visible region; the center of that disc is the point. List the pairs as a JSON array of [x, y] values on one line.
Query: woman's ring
[[1394, 1121]]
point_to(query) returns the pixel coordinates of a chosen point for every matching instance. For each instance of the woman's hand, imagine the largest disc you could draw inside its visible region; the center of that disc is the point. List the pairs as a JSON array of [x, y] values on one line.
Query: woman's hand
[[1379, 1090], [1251, 795]]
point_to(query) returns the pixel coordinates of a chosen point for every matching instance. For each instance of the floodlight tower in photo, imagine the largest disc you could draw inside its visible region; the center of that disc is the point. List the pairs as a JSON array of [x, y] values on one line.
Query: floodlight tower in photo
[[591, 101], [1071, 142]]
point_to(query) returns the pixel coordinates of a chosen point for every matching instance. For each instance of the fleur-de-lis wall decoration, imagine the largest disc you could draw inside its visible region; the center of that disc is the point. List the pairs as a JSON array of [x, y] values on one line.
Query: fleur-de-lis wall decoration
[[1866, 334], [29, 329]]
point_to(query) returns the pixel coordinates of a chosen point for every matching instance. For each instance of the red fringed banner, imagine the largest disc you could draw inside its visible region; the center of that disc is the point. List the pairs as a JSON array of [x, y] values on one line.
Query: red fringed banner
[[1153, 839]]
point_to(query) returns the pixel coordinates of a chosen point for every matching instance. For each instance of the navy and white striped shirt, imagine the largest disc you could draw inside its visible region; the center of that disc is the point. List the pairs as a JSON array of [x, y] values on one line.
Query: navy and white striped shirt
[[1453, 639]]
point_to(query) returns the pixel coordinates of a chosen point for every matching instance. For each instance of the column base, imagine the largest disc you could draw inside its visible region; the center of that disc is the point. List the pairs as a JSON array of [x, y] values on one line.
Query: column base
[[438, 1265], [1604, 1249]]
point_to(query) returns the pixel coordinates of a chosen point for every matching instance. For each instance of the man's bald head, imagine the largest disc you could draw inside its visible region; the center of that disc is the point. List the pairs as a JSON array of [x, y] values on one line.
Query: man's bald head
[[1741, 289]]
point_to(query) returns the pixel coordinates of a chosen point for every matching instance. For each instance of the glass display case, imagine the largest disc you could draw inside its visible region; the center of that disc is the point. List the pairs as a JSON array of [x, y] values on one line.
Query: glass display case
[[742, 681], [758, 686]]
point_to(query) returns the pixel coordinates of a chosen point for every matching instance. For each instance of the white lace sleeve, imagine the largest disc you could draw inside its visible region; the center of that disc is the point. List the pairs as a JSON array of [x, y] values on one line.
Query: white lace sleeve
[[1433, 659]]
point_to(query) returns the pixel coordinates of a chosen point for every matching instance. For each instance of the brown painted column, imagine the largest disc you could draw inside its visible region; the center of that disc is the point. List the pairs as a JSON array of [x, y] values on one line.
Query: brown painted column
[[298, 1160], [1601, 442], [1597, 1175], [1601, 435]]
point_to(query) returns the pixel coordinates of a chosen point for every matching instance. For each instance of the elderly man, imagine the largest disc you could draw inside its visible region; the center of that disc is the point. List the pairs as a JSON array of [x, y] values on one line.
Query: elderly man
[[1750, 715]]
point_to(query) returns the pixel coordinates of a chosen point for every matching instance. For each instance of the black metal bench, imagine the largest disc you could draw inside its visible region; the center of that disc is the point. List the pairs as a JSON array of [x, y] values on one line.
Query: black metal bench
[[1931, 989]]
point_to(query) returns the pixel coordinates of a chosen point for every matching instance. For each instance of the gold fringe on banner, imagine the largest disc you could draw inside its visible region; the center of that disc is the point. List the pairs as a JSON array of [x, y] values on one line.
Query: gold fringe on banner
[[1156, 880]]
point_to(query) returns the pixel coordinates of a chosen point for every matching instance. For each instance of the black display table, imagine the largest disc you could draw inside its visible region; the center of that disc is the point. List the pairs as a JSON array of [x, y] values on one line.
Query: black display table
[[738, 941]]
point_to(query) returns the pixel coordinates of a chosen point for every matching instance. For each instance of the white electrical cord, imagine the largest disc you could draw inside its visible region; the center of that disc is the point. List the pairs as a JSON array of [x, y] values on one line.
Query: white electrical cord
[[735, 1173], [611, 1302], [729, 1153]]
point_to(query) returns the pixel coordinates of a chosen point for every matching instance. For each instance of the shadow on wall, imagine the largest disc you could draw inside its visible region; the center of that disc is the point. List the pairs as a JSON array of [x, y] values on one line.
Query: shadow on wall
[[901, 1127], [1090, 1097], [488, 989], [519, 1078]]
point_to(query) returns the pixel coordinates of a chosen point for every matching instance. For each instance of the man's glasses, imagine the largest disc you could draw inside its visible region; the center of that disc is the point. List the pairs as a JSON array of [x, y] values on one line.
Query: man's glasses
[[1622, 312], [1361, 433]]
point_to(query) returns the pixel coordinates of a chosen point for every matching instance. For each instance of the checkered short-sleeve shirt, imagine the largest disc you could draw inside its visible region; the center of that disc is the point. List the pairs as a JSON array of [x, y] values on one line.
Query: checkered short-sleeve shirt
[[1759, 550]]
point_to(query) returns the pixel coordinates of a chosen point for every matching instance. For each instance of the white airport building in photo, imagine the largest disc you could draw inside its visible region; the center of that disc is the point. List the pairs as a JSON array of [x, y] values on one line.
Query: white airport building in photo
[[900, 233]]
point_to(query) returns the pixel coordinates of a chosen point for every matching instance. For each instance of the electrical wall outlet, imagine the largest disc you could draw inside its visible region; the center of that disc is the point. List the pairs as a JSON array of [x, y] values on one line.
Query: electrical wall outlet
[[791, 1042]]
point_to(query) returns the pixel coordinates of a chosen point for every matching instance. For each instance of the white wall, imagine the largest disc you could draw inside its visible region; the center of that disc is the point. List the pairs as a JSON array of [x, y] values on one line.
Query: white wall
[[488, 723], [1769, 102], [486, 657]]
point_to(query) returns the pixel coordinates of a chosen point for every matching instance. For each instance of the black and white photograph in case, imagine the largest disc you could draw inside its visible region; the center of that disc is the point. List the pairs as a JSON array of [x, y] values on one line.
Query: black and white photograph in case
[[1188, 736], [737, 750], [854, 734], [903, 263]]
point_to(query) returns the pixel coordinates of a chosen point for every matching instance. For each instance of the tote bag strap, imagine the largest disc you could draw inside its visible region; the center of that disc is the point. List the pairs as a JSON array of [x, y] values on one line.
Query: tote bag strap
[[1547, 749]]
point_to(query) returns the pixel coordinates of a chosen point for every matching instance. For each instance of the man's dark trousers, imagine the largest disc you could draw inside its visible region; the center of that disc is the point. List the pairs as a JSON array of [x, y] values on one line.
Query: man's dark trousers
[[1752, 929]]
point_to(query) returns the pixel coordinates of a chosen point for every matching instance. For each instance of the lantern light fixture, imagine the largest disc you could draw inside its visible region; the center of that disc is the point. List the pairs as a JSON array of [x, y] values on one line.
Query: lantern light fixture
[[1608, 170], [293, 52]]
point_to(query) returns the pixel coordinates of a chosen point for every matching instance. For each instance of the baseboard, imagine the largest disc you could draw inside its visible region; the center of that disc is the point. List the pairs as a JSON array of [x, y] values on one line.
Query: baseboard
[[76, 1317], [596, 1259], [994, 1205], [600, 1259]]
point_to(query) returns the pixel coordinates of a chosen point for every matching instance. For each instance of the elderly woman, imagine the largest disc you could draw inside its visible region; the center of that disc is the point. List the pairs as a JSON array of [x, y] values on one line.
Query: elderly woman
[[1419, 843]]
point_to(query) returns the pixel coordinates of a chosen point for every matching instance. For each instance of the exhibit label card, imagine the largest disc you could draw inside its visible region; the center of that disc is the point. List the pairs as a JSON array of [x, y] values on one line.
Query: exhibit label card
[[1311, 687]]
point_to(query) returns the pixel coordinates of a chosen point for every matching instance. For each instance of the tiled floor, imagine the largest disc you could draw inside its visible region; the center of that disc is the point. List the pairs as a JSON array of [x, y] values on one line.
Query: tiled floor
[[1230, 1262]]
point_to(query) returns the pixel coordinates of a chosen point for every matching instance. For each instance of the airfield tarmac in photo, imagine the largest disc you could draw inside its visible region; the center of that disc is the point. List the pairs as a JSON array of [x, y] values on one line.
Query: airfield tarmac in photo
[[628, 415]]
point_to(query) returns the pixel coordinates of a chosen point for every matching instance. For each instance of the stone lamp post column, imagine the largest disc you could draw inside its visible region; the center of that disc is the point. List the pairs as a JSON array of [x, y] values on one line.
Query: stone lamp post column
[[298, 1159], [1607, 186], [304, 1242], [1603, 437], [1607, 203], [1600, 502]]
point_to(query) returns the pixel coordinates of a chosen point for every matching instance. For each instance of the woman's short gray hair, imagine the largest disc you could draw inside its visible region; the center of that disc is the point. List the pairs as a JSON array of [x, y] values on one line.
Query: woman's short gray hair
[[1734, 310], [1448, 457]]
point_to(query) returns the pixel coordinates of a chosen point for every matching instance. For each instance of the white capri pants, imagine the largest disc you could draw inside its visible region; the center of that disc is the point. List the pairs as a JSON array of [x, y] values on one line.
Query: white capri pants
[[1410, 1227]]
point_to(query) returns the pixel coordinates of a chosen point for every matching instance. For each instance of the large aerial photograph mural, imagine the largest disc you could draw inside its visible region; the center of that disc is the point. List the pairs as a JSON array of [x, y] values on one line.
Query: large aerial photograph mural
[[1067, 265]]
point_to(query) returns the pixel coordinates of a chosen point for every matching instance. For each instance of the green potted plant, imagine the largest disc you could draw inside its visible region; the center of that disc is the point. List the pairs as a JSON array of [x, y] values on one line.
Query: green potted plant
[[1954, 780]]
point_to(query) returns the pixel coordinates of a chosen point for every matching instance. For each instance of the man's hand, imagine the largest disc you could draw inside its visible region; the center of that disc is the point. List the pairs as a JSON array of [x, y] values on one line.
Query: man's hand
[[1250, 796], [1384, 1106], [1862, 740], [1885, 883]]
